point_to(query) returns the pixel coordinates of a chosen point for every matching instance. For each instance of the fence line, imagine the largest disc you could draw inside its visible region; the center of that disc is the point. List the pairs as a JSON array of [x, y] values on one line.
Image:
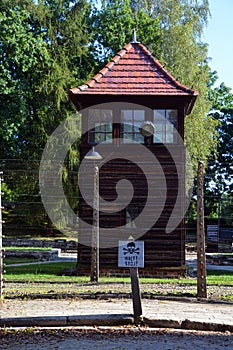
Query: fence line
[[24, 213]]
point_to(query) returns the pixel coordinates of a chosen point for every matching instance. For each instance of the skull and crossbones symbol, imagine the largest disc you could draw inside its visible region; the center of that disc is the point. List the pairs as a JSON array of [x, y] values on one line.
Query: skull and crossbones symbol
[[131, 249]]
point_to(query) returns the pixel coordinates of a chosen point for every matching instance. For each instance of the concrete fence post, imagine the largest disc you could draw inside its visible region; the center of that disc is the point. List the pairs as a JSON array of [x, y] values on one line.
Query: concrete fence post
[[201, 259]]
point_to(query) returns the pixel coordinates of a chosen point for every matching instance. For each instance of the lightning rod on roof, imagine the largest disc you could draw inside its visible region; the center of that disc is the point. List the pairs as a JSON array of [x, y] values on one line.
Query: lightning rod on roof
[[134, 36]]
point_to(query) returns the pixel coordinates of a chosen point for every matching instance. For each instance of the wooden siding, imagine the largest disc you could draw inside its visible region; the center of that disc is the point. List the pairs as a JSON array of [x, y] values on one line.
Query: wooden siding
[[161, 249]]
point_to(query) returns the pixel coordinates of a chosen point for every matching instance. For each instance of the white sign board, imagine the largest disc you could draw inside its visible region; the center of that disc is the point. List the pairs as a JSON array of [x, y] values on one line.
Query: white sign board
[[131, 254]]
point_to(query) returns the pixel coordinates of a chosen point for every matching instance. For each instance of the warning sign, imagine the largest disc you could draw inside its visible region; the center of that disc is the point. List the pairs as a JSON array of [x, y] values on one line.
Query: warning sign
[[131, 254]]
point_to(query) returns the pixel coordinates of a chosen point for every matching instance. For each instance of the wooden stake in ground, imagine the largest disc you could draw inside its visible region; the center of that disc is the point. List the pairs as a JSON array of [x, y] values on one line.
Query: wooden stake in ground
[[201, 260], [136, 294]]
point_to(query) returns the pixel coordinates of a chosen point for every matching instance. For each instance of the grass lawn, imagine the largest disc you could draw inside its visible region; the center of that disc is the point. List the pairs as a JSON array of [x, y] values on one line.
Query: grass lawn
[[43, 279], [220, 277], [49, 272], [38, 272], [9, 261], [34, 249]]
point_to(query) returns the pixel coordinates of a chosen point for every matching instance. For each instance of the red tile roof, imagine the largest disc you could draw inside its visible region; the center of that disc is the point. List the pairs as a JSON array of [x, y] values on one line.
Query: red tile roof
[[133, 71]]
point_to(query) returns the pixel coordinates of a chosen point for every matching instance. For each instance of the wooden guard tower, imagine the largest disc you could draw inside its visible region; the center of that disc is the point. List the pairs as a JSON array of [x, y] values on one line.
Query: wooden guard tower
[[135, 77]]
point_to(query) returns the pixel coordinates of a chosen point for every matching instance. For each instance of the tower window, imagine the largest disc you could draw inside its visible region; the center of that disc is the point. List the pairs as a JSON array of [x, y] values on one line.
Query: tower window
[[99, 125], [131, 121], [165, 122]]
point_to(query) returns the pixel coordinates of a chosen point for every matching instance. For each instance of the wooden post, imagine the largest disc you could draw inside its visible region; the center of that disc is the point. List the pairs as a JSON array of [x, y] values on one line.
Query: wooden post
[[201, 260], [95, 230], [131, 254], [1, 247], [136, 295]]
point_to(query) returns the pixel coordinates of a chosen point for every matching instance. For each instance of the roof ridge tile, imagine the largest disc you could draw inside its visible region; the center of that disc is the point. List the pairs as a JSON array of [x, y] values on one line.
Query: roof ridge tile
[[82, 88], [110, 64], [91, 82], [116, 58], [98, 76], [128, 47], [103, 71]]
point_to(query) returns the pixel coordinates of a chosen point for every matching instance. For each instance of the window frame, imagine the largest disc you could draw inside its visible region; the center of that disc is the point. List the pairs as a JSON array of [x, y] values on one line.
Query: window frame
[[103, 131], [116, 131], [135, 123], [167, 127]]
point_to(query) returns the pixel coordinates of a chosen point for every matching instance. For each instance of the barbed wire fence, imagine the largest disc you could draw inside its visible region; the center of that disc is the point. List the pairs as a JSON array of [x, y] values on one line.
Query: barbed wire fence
[[22, 214], [25, 216]]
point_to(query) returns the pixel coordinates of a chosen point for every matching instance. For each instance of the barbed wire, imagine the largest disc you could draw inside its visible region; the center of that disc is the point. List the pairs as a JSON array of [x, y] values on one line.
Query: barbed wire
[[18, 172]]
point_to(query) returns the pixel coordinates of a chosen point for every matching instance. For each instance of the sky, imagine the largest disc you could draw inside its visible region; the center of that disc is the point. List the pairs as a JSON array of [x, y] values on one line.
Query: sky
[[219, 36]]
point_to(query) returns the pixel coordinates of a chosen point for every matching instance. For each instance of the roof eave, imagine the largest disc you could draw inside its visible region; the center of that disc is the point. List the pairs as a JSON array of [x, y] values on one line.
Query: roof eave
[[190, 106], [78, 98]]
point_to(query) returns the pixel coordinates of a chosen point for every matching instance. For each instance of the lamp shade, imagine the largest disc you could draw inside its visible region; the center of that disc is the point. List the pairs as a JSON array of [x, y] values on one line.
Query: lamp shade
[[93, 155], [147, 129]]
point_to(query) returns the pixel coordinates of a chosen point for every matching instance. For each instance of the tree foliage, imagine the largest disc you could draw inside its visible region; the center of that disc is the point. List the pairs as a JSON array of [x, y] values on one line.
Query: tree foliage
[[43, 44], [22, 53], [43, 52], [220, 168], [48, 46], [113, 28]]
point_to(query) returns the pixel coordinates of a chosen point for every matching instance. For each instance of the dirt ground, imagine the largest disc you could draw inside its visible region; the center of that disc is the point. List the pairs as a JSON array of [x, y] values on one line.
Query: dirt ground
[[87, 290], [112, 338]]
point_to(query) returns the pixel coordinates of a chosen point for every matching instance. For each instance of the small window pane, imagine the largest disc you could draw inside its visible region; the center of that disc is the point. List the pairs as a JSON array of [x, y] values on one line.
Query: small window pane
[[139, 115], [108, 136], [99, 125], [127, 138], [169, 138], [127, 127], [137, 125], [165, 122], [159, 114], [127, 115], [159, 128], [169, 127], [131, 125], [139, 138], [172, 115], [158, 138]]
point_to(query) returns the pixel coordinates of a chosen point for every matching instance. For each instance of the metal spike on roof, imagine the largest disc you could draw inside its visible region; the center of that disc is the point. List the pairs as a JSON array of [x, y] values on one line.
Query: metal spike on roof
[[134, 36]]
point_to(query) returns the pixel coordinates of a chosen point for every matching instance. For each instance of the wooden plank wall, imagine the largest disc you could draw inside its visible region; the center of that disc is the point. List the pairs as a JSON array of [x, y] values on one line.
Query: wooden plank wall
[[161, 249]]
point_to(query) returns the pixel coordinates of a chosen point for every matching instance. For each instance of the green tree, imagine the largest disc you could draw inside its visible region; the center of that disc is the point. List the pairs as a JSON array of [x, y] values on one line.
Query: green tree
[[43, 52], [21, 53], [42, 47], [113, 27], [219, 172]]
